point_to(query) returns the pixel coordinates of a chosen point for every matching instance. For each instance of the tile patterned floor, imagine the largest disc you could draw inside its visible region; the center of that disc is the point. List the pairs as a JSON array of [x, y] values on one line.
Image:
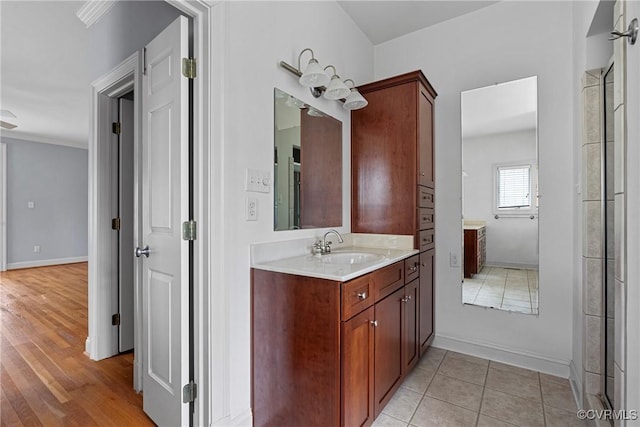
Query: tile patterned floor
[[457, 390], [504, 288]]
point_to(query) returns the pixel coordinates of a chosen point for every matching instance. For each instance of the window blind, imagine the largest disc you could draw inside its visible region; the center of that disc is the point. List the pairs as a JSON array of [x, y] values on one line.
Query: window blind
[[514, 187]]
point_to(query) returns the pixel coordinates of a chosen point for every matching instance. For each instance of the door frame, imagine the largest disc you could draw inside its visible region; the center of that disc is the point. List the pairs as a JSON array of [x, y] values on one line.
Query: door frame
[[102, 341], [3, 206], [211, 305]]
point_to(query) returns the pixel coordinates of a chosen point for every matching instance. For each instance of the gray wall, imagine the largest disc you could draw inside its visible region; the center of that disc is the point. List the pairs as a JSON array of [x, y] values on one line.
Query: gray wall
[[129, 26], [55, 179]]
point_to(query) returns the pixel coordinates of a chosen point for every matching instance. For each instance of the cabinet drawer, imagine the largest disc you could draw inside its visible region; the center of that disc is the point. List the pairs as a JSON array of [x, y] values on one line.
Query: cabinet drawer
[[426, 240], [425, 218], [411, 270], [357, 294], [425, 197], [388, 279]]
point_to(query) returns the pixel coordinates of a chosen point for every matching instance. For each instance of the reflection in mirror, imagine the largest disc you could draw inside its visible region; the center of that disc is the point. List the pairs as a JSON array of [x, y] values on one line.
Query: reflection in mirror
[[307, 166], [500, 196]]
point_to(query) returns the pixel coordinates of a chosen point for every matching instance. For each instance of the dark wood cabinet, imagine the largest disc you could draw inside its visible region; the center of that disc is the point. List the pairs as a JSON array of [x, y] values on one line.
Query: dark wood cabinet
[[475, 252], [393, 174], [426, 313], [357, 369], [392, 162], [332, 353]]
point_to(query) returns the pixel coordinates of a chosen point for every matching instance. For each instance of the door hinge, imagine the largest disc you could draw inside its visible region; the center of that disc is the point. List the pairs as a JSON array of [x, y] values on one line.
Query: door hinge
[[115, 224], [189, 230], [189, 392], [116, 128], [189, 68], [115, 319]]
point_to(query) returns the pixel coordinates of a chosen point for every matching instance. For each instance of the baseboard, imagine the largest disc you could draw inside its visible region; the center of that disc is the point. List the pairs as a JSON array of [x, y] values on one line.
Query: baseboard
[[45, 262], [576, 384], [504, 354], [245, 419]]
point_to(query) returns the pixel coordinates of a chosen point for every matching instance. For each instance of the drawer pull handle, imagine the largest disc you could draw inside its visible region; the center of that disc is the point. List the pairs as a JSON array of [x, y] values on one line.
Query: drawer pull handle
[[414, 268], [406, 299], [362, 295], [374, 323]]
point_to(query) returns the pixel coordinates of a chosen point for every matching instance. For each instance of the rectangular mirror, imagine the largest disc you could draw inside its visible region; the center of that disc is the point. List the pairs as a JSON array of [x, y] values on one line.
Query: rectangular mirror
[[500, 196], [307, 166]]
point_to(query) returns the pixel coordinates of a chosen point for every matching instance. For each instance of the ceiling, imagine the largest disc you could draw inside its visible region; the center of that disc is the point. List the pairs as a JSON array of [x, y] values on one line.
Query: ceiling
[[44, 70], [382, 21]]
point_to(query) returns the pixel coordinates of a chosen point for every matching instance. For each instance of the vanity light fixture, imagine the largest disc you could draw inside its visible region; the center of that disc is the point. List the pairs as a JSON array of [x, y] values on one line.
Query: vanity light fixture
[[314, 75], [315, 78], [355, 100], [337, 89]]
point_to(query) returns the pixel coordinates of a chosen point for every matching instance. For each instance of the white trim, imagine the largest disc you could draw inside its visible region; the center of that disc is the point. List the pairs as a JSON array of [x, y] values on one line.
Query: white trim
[[575, 379], [244, 419], [30, 137], [93, 10], [104, 91], [500, 353], [3, 206], [46, 262]]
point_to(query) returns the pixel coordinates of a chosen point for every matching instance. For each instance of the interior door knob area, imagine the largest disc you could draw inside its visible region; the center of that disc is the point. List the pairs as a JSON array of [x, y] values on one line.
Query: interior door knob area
[[142, 251]]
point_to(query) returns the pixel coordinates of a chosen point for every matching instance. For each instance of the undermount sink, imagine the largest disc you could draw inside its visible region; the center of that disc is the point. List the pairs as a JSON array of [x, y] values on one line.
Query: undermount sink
[[350, 257]]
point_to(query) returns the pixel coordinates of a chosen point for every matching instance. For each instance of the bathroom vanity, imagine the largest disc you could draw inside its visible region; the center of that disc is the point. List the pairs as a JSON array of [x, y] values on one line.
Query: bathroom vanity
[[475, 252], [331, 349]]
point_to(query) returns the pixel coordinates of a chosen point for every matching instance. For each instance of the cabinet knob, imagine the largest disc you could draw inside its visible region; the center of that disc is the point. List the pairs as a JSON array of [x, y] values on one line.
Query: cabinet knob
[[422, 173], [406, 299], [374, 323], [414, 268], [362, 295]]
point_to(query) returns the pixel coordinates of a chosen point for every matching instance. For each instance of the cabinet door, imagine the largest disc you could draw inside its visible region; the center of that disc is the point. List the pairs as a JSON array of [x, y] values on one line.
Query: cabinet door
[[426, 172], [411, 325], [388, 348], [383, 161], [425, 307], [357, 370]]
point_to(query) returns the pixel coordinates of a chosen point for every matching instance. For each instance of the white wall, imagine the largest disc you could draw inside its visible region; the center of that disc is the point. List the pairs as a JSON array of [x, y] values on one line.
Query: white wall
[[511, 241], [503, 42], [260, 35], [54, 178]]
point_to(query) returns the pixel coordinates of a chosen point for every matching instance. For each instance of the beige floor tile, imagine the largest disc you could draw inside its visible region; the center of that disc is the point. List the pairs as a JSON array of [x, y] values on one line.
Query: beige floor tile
[[488, 301], [517, 302], [435, 413], [485, 421], [514, 369], [463, 370], [519, 295], [514, 384], [467, 358], [558, 395], [457, 392], [418, 380], [554, 379], [512, 409], [489, 291], [516, 309], [403, 404], [560, 418], [385, 420], [431, 359]]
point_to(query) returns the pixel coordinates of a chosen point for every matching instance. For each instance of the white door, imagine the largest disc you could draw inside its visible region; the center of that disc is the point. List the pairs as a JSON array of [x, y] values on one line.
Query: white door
[[165, 205], [125, 240]]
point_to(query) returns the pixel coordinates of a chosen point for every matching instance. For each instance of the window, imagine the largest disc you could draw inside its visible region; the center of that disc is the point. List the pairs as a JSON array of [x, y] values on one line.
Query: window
[[513, 187]]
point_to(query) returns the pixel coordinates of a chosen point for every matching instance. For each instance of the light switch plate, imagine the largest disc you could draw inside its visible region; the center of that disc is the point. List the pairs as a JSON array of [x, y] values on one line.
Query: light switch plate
[[258, 181]]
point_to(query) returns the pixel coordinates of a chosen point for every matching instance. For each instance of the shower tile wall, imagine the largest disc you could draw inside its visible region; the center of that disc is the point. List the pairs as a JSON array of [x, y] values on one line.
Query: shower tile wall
[[592, 306], [619, 57], [592, 231]]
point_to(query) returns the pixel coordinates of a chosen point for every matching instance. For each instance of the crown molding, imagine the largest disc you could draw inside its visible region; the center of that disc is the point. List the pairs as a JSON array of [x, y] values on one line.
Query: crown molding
[[93, 10]]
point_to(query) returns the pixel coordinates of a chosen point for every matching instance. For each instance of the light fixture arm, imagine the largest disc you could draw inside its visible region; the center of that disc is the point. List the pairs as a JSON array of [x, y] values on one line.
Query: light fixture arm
[[300, 57], [335, 72], [352, 83]]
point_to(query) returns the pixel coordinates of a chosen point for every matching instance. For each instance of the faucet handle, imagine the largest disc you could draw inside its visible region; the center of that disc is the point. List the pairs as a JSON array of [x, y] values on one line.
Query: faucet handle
[[317, 247]]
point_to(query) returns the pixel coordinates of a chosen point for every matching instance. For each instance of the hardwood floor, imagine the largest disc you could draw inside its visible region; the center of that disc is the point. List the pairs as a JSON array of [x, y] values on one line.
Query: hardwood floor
[[46, 379]]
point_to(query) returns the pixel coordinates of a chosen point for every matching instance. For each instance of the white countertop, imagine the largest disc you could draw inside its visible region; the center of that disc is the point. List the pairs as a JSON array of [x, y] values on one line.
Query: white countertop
[[313, 265], [473, 227]]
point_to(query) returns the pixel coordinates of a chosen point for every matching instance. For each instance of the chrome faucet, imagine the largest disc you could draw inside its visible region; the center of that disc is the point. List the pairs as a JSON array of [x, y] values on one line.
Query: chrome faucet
[[323, 246]]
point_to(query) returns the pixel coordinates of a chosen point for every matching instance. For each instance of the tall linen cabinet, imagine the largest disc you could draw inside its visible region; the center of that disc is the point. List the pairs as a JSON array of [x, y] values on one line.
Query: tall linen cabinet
[[393, 175]]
